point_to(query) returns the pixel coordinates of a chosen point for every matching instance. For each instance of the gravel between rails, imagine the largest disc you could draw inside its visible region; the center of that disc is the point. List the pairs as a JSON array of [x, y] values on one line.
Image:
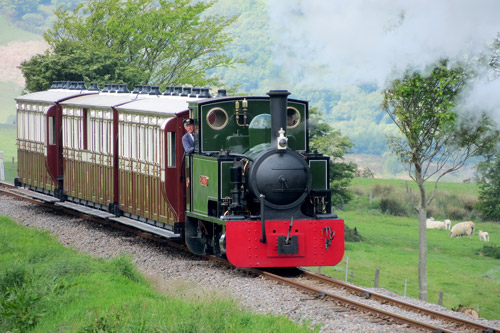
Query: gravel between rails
[[177, 273]]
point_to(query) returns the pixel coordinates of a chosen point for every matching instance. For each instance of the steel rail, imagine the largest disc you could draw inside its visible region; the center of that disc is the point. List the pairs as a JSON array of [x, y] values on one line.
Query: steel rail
[[361, 292], [358, 305]]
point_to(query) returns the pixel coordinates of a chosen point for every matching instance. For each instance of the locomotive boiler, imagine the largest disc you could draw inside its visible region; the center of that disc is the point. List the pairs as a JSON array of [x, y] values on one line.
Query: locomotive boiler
[[251, 190]]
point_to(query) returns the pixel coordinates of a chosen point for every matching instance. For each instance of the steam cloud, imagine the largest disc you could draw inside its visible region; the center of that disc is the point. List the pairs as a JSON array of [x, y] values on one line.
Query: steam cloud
[[340, 43]]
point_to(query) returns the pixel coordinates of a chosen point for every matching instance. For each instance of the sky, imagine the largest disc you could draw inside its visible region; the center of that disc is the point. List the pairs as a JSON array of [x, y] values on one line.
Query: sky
[[336, 43]]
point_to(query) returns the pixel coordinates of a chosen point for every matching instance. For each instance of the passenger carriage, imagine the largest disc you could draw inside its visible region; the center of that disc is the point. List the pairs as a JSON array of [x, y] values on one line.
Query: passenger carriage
[[39, 122]]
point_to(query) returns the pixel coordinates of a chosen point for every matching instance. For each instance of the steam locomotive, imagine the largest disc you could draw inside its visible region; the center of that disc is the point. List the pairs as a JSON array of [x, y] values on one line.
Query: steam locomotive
[[251, 190]]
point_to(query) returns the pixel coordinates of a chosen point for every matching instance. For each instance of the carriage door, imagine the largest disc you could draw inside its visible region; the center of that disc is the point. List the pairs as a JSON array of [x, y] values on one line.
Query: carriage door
[[173, 180]]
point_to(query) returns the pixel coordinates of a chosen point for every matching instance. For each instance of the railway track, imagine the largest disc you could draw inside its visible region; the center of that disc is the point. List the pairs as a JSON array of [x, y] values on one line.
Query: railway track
[[323, 287], [320, 286]]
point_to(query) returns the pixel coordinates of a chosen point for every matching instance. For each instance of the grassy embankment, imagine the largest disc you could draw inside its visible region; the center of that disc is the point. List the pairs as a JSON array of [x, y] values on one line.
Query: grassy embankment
[[455, 265], [46, 287]]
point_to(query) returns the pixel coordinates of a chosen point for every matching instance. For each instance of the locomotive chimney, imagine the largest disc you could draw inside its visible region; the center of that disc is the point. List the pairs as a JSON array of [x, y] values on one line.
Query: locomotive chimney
[[278, 100]]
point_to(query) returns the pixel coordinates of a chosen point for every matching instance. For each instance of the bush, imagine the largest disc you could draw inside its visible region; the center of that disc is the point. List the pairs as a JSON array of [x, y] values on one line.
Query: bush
[[352, 235], [490, 251], [393, 206]]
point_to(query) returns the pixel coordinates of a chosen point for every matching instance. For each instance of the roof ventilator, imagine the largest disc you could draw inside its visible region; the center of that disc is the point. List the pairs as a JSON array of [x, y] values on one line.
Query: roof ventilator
[[123, 89], [155, 90], [204, 93]]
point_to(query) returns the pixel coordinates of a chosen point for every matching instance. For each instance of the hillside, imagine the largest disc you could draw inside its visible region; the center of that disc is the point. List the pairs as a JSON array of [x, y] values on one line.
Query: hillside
[[16, 45]]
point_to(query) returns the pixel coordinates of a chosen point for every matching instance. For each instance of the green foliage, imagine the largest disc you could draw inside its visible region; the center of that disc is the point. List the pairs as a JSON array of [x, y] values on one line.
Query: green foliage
[[73, 61], [163, 42], [253, 42], [490, 251], [352, 235], [454, 201], [124, 266], [422, 108], [326, 140], [489, 195], [393, 206]]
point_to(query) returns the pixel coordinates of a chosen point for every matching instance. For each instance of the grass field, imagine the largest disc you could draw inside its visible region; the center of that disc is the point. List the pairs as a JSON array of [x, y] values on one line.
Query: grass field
[[46, 287], [455, 265], [8, 91], [9, 148]]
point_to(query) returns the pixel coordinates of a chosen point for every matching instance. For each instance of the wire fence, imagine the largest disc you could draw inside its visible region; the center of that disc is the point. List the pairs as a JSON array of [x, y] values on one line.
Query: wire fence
[[361, 274]]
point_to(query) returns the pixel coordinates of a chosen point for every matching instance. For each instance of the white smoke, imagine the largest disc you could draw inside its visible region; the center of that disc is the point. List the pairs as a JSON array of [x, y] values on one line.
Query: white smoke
[[351, 42], [334, 43]]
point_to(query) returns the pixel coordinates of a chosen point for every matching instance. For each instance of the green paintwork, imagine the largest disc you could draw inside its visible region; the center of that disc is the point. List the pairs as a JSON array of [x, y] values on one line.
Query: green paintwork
[[235, 138], [204, 166], [226, 178], [207, 218], [319, 171]]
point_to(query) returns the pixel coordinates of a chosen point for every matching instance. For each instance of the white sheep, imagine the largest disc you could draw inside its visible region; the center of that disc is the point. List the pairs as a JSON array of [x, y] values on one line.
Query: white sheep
[[462, 229], [431, 224], [447, 223], [484, 236]]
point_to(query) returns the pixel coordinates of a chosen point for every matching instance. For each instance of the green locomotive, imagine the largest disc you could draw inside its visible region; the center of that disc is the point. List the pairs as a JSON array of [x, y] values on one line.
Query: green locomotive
[[255, 192]]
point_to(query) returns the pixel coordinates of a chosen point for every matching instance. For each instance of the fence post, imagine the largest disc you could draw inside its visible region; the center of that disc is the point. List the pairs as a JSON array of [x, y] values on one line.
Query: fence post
[[371, 196], [377, 274], [406, 282], [440, 299], [2, 173], [346, 267], [13, 164], [319, 269]]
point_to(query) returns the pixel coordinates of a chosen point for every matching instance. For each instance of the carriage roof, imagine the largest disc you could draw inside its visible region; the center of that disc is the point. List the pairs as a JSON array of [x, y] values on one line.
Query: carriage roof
[[101, 101], [165, 104], [52, 95]]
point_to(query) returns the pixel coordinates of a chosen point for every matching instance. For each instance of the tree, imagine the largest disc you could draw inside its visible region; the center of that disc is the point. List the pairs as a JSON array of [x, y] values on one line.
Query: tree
[[71, 61], [325, 139], [433, 141], [168, 41], [489, 195]]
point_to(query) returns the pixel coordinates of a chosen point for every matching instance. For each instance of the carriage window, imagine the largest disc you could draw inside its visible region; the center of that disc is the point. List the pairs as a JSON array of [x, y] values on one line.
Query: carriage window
[[52, 132], [292, 117], [217, 118], [171, 149]]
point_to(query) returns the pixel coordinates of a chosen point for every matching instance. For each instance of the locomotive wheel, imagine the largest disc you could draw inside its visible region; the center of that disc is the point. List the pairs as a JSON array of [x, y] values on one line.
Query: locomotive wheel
[[202, 237]]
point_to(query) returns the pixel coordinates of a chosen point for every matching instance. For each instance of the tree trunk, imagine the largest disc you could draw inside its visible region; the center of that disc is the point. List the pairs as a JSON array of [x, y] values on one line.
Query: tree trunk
[[422, 238], [422, 254]]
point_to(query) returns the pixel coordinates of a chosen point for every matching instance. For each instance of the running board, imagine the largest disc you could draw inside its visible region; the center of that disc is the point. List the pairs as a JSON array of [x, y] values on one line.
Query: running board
[[85, 209], [145, 227], [35, 195]]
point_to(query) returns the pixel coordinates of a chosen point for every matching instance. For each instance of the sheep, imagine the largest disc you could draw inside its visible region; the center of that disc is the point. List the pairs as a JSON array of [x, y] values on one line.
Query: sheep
[[431, 224], [462, 229], [484, 236], [447, 223]]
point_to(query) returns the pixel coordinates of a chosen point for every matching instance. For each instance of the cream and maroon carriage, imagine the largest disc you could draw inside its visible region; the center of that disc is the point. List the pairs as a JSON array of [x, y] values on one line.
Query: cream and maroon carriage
[[123, 153], [39, 139]]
